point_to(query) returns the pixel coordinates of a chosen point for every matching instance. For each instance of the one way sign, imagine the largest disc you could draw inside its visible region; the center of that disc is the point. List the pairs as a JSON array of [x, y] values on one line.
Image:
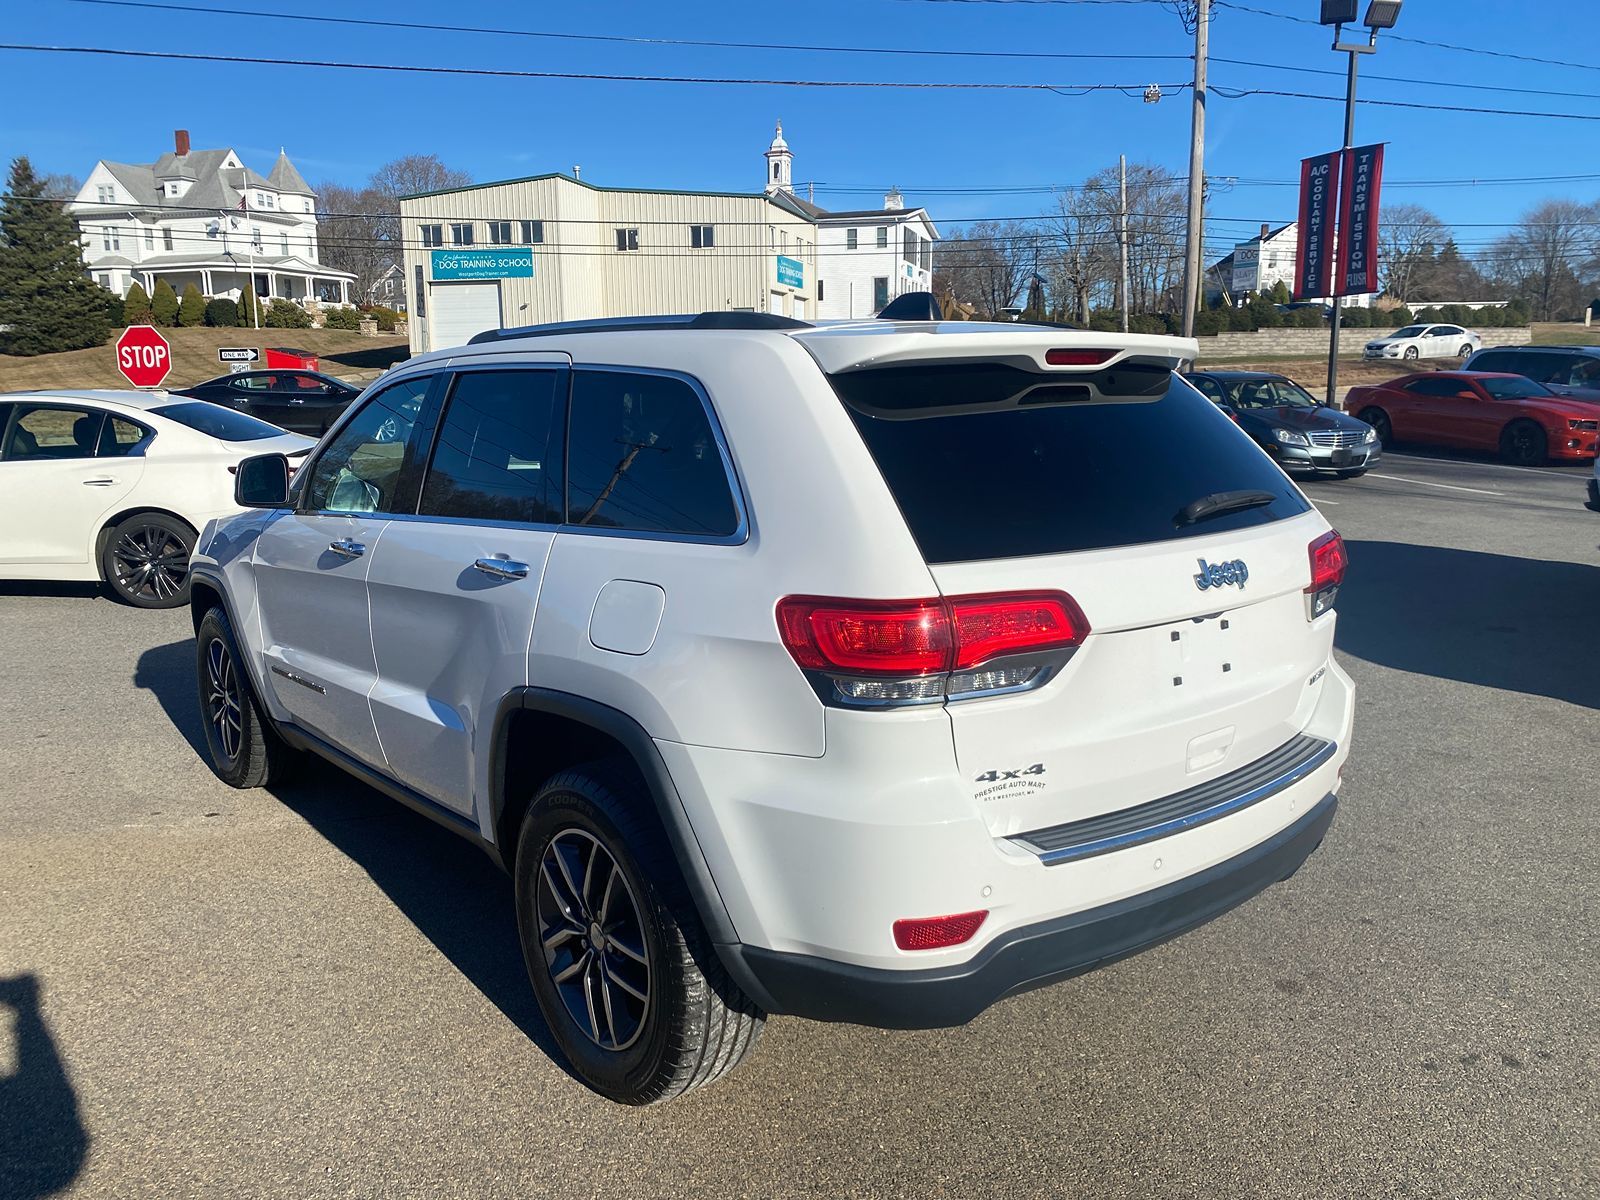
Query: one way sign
[[238, 354]]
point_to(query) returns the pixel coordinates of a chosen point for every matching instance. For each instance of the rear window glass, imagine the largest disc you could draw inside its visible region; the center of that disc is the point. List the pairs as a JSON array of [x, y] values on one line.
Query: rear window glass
[[218, 422], [991, 461]]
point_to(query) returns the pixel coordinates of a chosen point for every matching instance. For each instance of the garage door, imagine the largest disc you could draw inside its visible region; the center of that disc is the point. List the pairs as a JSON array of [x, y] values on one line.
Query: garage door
[[461, 311]]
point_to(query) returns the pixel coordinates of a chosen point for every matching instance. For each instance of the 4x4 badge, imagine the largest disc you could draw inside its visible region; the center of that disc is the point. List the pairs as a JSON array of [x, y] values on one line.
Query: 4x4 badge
[[1223, 574]]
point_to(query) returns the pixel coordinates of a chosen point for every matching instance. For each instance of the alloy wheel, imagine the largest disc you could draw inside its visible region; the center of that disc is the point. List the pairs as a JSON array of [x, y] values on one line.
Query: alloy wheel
[[224, 702], [593, 939], [150, 562]]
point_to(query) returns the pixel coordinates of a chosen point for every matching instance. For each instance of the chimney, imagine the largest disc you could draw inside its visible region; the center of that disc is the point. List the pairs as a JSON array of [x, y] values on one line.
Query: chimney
[[180, 142], [1264, 228]]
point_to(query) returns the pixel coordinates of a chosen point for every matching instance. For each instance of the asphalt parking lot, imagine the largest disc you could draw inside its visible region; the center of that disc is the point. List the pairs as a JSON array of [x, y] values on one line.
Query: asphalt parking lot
[[314, 993]]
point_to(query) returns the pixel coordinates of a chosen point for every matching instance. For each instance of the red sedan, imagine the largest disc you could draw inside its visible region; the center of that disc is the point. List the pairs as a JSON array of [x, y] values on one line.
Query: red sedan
[[1525, 422]]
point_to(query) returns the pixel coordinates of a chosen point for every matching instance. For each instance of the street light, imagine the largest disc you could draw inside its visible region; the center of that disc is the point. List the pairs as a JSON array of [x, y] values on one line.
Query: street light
[[1381, 14]]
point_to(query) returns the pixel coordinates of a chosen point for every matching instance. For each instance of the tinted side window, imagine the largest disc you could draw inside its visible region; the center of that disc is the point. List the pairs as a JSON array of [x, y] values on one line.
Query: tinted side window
[[1435, 387], [1544, 368], [1495, 360], [990, 461], [360, 471], [1210, 387], [46, 432], [119, 438], [497, 455], [642, 456]]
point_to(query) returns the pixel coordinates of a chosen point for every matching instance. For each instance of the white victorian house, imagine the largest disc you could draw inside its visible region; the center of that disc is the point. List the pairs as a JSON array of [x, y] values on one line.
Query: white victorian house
[[866, 256], [203, 217]]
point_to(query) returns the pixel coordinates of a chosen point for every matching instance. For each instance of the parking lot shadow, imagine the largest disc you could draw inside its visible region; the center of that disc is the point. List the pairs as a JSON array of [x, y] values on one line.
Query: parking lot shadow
[[43, 1143], [447, 887], [168, 673], [1518, 624]]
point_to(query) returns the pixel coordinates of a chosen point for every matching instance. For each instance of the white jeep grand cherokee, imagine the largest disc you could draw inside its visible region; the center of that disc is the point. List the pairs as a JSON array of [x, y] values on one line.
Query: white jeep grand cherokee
[[865, 672]]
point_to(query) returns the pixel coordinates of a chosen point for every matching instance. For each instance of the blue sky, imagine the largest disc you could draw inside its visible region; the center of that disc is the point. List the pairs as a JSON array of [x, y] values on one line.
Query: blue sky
[[67, 111]]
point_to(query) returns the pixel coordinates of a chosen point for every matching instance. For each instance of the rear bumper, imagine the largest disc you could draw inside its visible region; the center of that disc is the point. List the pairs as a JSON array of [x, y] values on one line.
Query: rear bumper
[[1031, 956]]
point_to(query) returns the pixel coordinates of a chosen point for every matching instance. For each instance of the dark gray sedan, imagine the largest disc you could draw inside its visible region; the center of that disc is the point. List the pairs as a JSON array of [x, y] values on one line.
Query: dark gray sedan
[[1305, 436], [305, 402]]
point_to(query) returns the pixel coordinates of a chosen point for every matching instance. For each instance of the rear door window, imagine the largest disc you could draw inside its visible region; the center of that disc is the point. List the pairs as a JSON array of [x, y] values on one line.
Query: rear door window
[[643, 456], [992, 461], [497, 455], [44, 431]]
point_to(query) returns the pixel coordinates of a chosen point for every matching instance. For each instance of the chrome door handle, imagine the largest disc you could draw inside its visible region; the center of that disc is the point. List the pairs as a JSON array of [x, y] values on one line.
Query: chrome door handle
[[296, 400], [501, 567], [98, 482], [347, 548]]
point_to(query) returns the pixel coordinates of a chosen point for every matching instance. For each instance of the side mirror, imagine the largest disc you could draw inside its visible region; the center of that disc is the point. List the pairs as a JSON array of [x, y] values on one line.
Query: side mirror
[[262, 482]]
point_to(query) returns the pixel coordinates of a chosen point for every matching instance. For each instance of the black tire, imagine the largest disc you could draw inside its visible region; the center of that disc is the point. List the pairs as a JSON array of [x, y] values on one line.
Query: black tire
[[1379, 420], [1356, 474], [1524, 443], [242, 748], [694, 1025], [1411, 353], [145, 561]]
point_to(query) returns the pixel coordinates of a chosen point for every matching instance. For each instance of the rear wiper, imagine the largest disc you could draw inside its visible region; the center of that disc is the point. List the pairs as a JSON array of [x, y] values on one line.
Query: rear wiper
[[1218, 503]]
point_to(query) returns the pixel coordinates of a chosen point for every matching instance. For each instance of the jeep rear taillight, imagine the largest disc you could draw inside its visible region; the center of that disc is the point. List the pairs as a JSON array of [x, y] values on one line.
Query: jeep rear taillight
[[1328, 563], [894, 652]]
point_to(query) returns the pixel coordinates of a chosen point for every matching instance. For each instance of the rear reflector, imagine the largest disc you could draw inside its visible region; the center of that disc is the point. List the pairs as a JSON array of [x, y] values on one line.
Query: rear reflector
[[1077, 358], [1328, 563], [935, 933]]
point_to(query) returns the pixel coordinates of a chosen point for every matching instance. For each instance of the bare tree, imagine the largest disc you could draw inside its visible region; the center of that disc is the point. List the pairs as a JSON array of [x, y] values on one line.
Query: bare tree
[[990, 264], [62, 186], [1539, 261], [358, 228], [1409, 237], [1082, 256]]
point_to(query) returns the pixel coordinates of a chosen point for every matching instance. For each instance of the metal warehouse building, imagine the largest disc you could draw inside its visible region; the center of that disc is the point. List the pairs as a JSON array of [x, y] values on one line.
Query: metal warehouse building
[[556, 248]]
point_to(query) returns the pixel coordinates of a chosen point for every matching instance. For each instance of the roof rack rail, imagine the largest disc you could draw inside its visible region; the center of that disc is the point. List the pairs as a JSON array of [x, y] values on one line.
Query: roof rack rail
[[705, 320]]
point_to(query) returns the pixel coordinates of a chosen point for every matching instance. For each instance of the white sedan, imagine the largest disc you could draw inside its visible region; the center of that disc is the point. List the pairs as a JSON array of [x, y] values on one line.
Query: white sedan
[[115, 486], [1425, 341]]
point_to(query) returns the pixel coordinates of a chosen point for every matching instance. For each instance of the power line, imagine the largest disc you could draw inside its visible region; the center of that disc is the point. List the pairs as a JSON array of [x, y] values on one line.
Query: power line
[[506, 73], [1397, 37], [373, 23], [1241, 93], [1412, 80]]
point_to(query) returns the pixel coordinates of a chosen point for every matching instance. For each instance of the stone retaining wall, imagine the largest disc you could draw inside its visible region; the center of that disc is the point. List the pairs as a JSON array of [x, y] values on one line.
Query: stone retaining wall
[[1265, 342]]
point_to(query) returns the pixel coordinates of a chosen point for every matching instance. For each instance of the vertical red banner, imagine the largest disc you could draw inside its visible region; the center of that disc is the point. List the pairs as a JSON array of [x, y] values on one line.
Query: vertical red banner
[[1319, 190], [1357, 271]]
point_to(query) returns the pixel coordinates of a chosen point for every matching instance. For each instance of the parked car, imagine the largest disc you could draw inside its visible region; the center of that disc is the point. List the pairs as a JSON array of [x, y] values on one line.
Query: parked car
[[1303, 435], [115, 486], [747, 647], [1566, 370], [1424, 341], [1525, 422], [302, 401]]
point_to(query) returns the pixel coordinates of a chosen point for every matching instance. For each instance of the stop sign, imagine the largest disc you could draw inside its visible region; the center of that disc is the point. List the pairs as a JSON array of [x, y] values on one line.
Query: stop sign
[[143, 356]]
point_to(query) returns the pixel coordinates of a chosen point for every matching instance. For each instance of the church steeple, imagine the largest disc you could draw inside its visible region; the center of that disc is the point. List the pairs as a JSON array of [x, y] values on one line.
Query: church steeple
[[780, 164]]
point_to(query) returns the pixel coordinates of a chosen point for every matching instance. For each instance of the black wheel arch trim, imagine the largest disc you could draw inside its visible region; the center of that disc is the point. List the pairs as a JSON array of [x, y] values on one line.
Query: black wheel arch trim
[[632, 736]]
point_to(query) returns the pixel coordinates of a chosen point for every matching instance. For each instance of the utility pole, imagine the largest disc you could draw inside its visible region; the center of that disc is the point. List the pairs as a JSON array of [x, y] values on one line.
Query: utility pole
[[1122, 236], [1355, 53], [1197, 167]]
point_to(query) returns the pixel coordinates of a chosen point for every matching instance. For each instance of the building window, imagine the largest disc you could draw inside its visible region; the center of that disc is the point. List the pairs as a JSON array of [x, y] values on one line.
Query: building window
[[883, 237], [149, 238], [264, 199], [285, 239], [927, 254], [110, 237], [106, 195], [909, 249], [702, 237], [104, 281], [820, 296], [461, 233], [880, 293], [166, 239], [850, 242], [172, 189], [627, 239], [419, 295], [772, 237], [500, 232], [433, 235], [532, 233]]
